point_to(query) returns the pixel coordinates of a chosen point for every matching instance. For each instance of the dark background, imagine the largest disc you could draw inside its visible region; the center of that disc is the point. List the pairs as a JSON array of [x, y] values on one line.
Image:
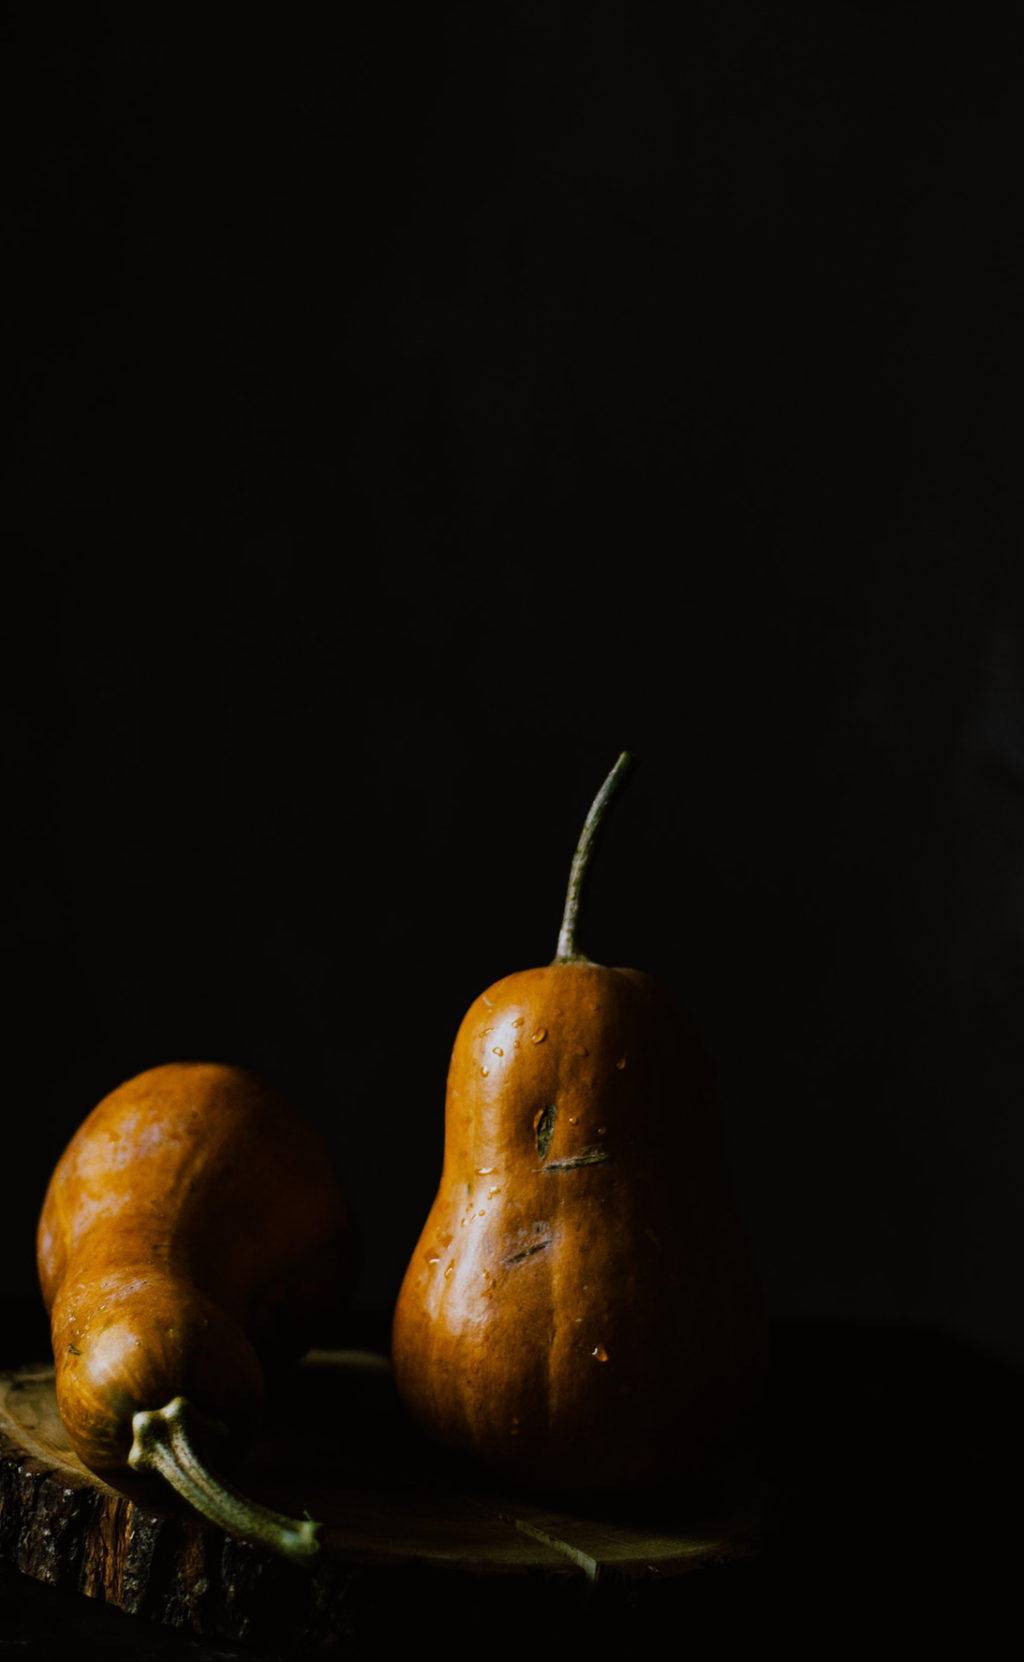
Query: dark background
[[413, 408]]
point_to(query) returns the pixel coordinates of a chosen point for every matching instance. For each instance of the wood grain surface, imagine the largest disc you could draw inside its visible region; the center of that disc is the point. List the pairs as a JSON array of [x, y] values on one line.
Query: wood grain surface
[[406, 1536]]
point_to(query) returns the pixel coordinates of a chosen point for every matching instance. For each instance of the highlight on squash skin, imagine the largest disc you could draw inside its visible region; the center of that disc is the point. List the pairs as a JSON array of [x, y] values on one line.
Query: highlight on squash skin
[[162, 1445]]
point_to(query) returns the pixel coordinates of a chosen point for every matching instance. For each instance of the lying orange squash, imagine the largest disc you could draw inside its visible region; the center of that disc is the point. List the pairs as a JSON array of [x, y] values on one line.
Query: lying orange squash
[[193, 1234]]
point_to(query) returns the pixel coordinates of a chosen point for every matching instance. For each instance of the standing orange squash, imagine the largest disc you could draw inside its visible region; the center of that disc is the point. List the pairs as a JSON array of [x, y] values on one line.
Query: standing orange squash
[[193, 1235], [581, 1314]]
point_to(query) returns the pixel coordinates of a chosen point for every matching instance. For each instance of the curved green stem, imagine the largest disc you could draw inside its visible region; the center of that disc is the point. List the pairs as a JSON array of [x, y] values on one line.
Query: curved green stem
[[162, 1445], [568, 952]]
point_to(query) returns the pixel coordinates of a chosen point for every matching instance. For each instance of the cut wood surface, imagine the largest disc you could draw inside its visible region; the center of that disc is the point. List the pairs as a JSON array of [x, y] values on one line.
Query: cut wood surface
[[404, 1533]]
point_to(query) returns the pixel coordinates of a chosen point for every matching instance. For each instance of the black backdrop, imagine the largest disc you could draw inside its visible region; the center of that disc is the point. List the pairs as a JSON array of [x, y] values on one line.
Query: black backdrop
[[414, 407]]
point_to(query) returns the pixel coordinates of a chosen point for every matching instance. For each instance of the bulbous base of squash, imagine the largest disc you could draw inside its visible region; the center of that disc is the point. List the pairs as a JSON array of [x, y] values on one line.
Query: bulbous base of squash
[[628, 1415], [136, 1340]]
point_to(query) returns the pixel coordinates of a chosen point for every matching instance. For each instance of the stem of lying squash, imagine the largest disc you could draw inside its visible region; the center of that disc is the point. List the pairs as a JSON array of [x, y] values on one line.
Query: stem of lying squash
[[162, 1445]]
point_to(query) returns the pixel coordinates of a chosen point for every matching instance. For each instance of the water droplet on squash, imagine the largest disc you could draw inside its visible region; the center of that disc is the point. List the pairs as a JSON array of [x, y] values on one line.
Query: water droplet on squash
[[481, 1212], [485, 1071], [495, 1191], [485, 1171], [601, 1130], [449, 1271], [621, 1062], [519, 1021], [539, 1037], [432, 1259], [497, 1051], [599, 1353], [574, 1119]]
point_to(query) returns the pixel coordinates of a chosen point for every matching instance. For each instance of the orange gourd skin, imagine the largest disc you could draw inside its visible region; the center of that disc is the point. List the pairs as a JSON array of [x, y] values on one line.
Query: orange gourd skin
[[193, 1234], [581, 1314]]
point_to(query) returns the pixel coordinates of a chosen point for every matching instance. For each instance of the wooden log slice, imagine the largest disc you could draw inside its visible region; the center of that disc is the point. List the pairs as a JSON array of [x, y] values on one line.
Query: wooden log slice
[[407, 1537]]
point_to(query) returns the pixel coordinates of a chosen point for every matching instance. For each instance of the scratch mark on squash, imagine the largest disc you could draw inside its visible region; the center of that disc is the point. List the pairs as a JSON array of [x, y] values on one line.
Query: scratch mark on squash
[[527, 1252], [586, 1157]]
